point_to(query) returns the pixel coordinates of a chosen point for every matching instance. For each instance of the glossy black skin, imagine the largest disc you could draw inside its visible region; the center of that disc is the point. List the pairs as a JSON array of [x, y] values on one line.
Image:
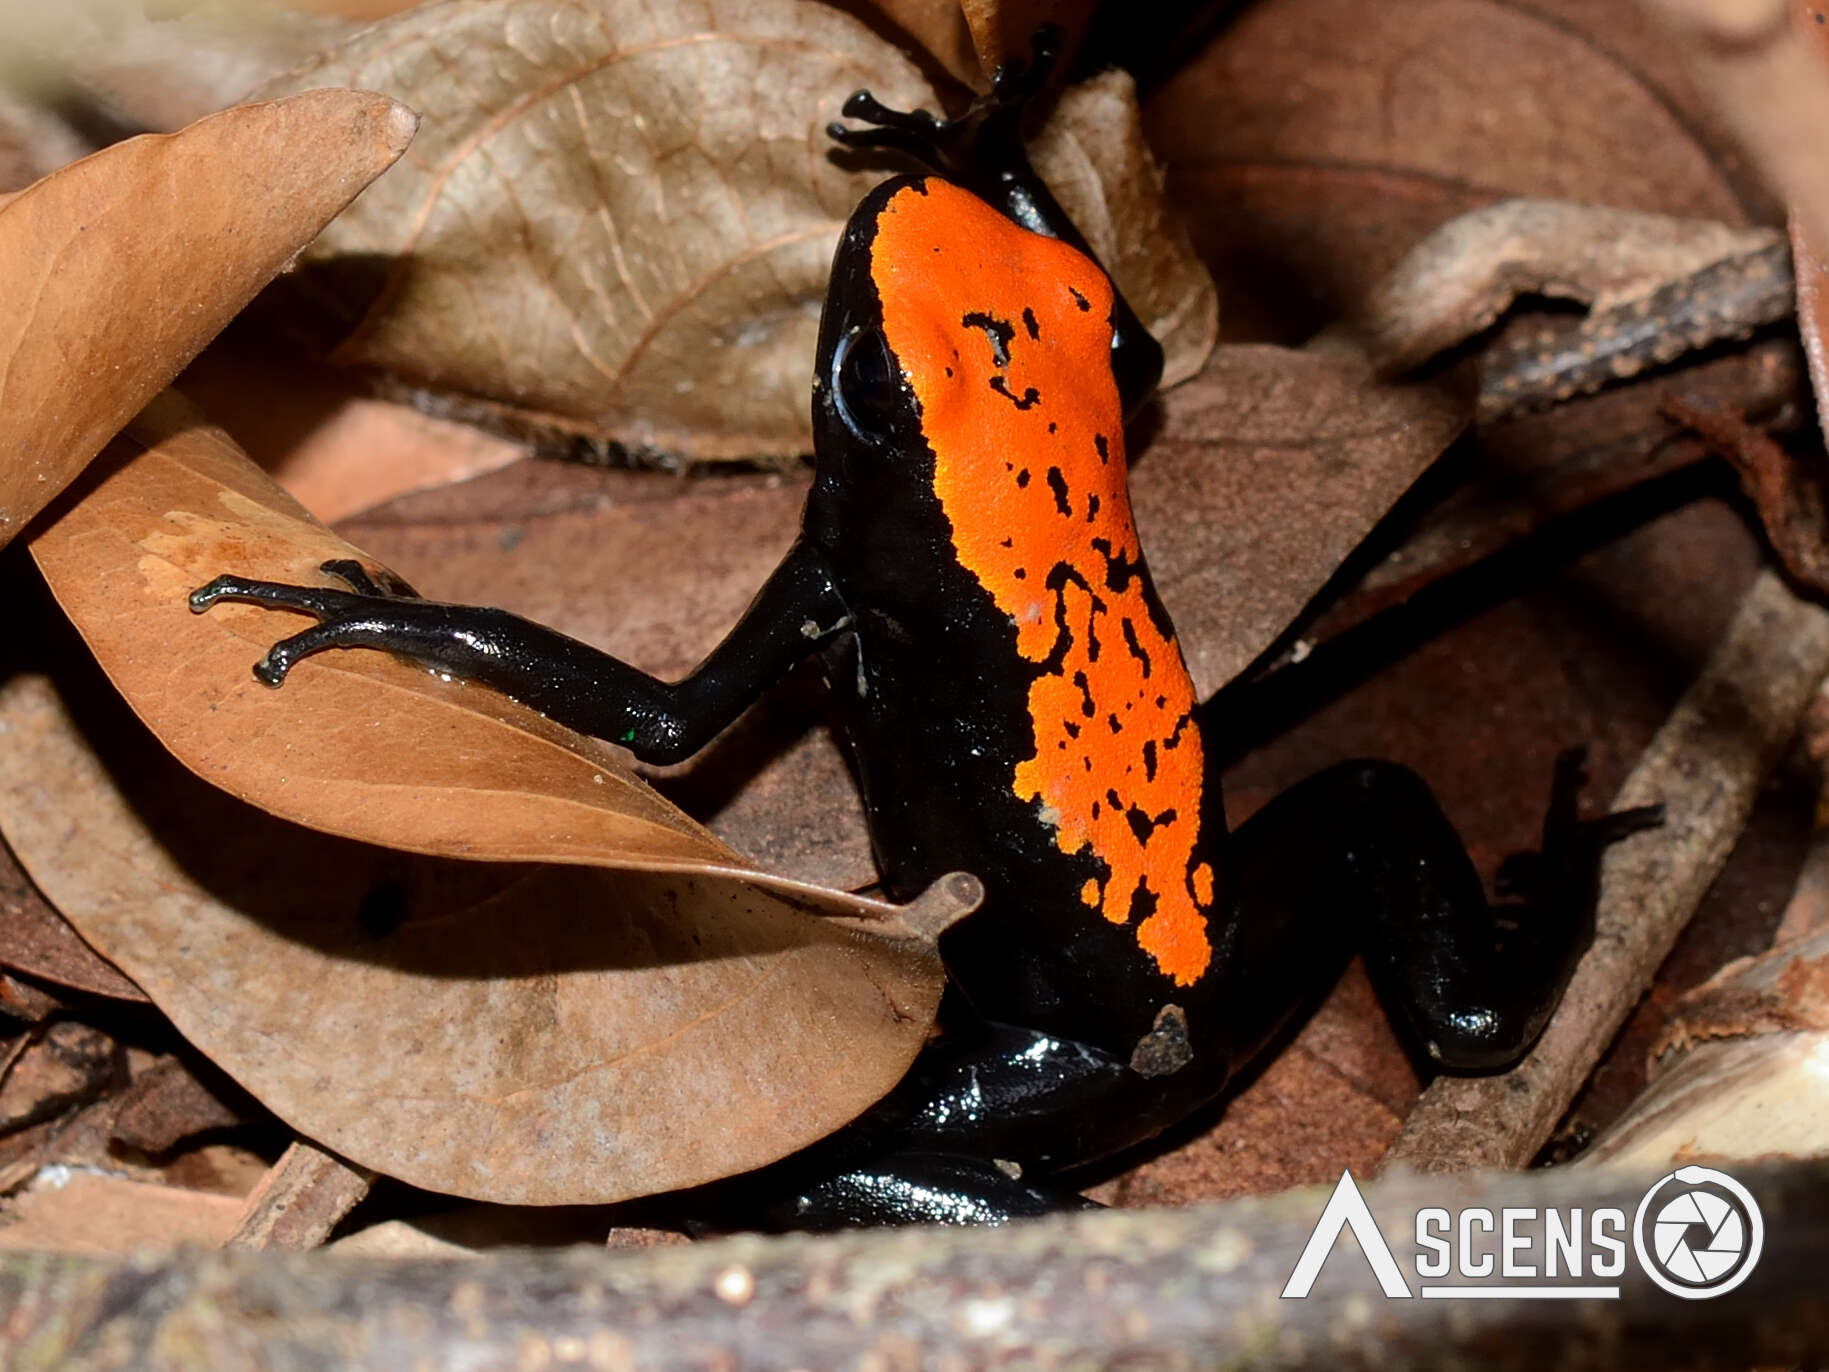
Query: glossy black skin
[[1035, 1074]]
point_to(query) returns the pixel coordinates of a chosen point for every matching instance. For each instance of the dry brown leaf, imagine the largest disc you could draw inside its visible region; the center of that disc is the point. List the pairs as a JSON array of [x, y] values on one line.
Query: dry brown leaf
[[1314, 142], [620, 218], [1092, 154], [167, 1104], [116, 270], [336, 449], [535, 1035], [1467, 273], [1270, 467]]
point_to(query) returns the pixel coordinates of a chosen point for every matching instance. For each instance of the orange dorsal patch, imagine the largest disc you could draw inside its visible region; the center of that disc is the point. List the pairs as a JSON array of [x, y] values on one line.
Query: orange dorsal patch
[[1005, 336]]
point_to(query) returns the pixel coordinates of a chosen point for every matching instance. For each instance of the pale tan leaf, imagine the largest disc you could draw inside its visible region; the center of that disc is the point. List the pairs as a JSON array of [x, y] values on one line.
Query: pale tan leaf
[[523, 1034], [621, 216], [117, 269]]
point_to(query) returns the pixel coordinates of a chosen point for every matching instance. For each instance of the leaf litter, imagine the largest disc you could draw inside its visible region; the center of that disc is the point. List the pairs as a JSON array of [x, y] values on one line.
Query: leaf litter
[[1394, 469], [688, 967]]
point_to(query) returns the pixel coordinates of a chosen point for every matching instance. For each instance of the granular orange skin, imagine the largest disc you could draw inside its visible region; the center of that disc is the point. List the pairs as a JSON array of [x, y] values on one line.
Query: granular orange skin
[[1005, 337]]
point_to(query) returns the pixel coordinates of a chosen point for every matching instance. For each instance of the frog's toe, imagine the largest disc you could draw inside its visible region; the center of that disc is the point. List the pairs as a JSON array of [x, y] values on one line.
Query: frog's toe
[[278, 595]]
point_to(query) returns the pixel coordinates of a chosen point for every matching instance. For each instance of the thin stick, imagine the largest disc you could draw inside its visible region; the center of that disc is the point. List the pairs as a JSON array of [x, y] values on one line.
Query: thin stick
[[1706, 766], [300, 1200]]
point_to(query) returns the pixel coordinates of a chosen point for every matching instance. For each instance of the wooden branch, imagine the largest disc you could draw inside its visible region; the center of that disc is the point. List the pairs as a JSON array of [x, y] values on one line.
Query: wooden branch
[[1139, 1289], [300, 1199], [1706, 766]]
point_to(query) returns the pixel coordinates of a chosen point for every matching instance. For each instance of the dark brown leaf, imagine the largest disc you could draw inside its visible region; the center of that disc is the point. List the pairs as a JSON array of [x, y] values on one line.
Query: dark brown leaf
[[35, 939], [166, 1104], [67, 1066]]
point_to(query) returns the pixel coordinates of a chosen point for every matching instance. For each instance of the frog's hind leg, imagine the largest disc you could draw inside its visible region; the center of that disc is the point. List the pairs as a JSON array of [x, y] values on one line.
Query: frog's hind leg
[[917, 1188], [1361, 858], [971, 1135]]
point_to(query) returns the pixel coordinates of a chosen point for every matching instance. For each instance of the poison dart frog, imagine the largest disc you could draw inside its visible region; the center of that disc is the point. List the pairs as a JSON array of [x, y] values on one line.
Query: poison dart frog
[[1010, 689]]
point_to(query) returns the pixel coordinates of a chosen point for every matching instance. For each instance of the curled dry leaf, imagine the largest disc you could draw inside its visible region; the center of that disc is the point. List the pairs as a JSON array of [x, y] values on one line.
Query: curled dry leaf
[[671, 1028], [621, 216], [1092, 154], [1462, 277], [116, 270]]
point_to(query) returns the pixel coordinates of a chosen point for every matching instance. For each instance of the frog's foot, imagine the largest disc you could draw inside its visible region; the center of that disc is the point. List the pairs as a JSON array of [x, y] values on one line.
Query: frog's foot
[[984, 138], [1572, 846], [359, 617], [921, 1188]]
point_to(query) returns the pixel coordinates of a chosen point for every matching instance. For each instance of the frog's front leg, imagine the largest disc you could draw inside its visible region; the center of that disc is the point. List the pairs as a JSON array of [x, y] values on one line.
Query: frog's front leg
[[1360, 858], [798, 610]]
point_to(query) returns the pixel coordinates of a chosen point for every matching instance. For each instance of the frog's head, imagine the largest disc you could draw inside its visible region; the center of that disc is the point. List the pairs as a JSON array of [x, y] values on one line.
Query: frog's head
[[955, 345]]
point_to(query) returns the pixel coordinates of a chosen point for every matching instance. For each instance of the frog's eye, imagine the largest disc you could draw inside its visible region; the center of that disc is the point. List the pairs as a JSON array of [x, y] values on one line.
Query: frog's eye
[[867, 384]]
